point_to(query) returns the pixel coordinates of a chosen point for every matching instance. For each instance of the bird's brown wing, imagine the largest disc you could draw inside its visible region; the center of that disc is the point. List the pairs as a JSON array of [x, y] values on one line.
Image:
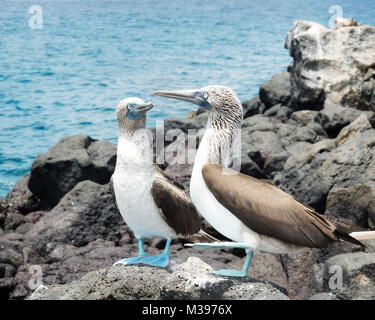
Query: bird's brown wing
[[177, 208], [269, 211]]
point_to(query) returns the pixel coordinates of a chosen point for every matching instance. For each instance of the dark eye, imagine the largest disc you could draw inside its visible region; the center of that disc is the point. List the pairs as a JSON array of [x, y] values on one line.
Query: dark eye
[[205, 95], [129, 106]]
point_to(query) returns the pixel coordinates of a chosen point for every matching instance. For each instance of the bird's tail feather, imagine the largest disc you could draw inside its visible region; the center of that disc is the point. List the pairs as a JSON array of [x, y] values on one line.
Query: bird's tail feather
[[209, 237], [363, 235], [201, 236]]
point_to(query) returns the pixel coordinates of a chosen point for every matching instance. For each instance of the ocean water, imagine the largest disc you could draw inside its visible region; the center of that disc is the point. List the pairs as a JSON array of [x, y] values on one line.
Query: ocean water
[[67, 77]]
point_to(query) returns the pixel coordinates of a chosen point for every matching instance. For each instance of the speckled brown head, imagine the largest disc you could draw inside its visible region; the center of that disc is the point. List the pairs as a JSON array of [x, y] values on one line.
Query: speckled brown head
[[223, 105], [224, 117], [131, 114]]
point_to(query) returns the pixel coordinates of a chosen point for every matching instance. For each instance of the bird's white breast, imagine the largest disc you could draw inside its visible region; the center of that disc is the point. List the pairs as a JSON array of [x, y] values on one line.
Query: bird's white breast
[[132, 181], [213, 211]]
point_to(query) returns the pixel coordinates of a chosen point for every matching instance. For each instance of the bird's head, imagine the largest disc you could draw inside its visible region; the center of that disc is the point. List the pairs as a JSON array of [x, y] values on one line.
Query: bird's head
[[131, 113], [216, 99]]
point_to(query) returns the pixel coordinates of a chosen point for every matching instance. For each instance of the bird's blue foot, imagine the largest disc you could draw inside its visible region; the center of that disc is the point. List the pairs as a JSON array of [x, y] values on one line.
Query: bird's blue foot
[[230, 273], [161, 260], [237, 273], [135, 260]]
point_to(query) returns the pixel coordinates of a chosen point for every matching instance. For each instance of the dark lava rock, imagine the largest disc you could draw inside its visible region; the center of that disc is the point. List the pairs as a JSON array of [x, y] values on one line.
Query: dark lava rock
[[269, 142], [342, 162], [21, 199], [276, 90], [73, 159], [352, 203], [252, 107], [334, 117], [349, 276], [84, 214]]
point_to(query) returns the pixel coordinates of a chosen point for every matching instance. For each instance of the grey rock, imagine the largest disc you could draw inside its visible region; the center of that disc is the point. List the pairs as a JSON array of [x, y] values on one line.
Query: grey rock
[[276, 90], [304, 116], [12, 241], [317, 278], [7, 270], [269, 142], [351, 276], [252, 107], [13, 220], [334, 117], [279, 111], [73, 159], [184, 124], [184, 279], [10, 256], [299, 268], [352, 203], [84, 214], [21, 199], [341, 162], [337, 65]]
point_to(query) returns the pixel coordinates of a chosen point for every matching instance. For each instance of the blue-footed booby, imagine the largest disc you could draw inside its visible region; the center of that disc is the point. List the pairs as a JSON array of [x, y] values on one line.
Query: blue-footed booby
[[253, 213], [151, 203]]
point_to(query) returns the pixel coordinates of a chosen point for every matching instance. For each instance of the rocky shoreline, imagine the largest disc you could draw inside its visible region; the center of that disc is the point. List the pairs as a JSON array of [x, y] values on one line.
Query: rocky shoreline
[[311, 131]]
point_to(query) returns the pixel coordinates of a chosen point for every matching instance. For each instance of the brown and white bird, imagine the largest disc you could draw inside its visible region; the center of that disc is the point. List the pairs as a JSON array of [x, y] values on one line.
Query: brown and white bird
[[151, 204], [255, 214]]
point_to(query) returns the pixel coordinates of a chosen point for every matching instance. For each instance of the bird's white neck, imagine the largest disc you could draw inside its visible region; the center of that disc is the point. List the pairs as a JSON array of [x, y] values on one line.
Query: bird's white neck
[[217, 142], [135, 149]]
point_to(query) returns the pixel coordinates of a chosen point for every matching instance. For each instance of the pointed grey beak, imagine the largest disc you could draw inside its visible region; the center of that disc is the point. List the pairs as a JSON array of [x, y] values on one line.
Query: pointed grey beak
[[139, 111], [192, 96], [144, 107]]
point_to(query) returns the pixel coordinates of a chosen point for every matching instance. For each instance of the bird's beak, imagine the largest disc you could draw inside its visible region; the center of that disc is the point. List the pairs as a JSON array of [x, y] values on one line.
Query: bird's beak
[[192, 96], [143, 107]]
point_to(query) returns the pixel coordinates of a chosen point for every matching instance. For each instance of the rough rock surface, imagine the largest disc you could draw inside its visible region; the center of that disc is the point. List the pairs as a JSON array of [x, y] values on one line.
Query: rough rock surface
[[347, 160], [82, 215], [334, 117], [269, 142], [347, 276], [335, 65], [183, 279], [73, 159], [276, 90]]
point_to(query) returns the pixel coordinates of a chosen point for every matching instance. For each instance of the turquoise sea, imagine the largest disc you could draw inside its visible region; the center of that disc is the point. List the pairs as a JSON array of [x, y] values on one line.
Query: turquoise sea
[[67, 77]]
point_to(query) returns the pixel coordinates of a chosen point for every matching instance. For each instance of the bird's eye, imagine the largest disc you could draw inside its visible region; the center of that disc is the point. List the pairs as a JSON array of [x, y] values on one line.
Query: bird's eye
[[205, 95], [129, 106]]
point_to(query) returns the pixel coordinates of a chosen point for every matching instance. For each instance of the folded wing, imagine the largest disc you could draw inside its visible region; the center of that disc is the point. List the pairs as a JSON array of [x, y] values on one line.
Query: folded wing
[[176, 206], [269, 211]]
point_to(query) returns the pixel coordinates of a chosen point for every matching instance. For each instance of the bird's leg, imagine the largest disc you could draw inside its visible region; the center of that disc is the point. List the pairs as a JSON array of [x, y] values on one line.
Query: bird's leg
[[161, 260], [135, 260], [237, 273], [217, 245]]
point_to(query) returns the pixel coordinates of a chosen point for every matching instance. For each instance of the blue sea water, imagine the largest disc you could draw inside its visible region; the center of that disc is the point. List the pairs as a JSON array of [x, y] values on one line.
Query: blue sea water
[[68, 77]]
